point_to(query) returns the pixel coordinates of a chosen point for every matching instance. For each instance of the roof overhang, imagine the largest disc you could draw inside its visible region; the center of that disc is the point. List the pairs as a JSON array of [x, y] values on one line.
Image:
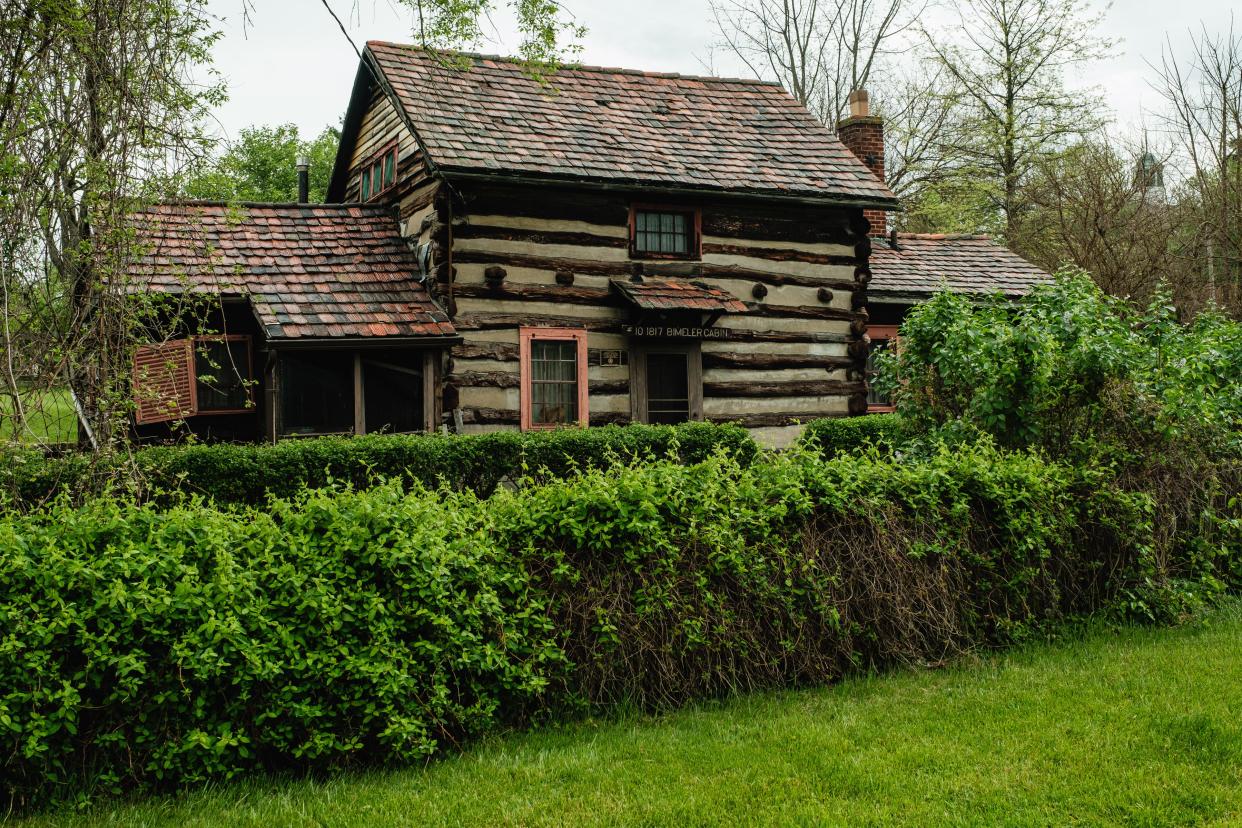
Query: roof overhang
[[912, 297], [662, 296], [359, 98], [355, 343], [664, 189]]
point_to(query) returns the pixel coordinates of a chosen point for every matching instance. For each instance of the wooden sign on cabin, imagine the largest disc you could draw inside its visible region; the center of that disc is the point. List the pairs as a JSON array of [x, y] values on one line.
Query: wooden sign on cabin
[[675, 332]]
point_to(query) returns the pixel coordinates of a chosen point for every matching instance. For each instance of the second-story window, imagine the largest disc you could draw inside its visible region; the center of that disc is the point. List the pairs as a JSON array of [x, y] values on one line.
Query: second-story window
[[379, 173], [658, 233]]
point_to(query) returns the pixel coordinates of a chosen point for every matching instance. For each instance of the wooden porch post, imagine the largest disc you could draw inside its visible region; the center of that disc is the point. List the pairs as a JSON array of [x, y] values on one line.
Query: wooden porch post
[[360, 409]]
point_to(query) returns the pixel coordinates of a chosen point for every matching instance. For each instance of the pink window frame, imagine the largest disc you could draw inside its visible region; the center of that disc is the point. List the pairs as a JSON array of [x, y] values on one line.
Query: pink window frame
[[526, 335], [887, 333]]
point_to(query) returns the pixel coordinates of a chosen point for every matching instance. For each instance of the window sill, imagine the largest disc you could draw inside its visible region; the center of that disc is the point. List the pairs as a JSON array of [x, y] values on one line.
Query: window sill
[[552, 426], [664, 257], [216, 412]]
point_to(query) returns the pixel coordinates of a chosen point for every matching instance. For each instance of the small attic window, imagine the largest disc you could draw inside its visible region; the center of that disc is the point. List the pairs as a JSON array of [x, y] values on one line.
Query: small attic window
[[379, 174], [664, 233]]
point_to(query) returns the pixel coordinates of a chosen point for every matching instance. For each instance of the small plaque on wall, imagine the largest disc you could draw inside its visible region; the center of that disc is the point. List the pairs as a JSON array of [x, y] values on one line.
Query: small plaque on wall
[[611, 358], [675, 332]]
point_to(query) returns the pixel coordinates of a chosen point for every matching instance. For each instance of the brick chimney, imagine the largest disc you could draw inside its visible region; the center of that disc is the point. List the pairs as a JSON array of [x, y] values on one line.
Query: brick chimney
[[863, 134]]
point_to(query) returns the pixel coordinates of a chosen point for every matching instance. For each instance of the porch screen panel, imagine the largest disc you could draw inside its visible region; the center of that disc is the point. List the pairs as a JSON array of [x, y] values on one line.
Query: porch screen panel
[[668, 388], [554, 381], [394, 396], [317, 393]]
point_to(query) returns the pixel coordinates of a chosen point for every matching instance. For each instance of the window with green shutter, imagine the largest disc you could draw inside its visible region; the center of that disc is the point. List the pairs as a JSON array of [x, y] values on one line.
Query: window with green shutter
[[379, 174]]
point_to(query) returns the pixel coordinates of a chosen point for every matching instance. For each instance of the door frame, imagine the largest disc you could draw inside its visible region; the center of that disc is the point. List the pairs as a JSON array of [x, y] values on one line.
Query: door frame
[[693, 349]]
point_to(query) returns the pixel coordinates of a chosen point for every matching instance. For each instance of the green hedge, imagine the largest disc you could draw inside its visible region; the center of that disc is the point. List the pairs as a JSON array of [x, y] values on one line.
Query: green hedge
[[152, 647], [849, 435], [248, 473], [172, 646]]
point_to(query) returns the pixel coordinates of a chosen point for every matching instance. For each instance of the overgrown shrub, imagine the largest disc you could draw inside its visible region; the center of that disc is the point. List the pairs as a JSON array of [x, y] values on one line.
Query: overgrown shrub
[[1069, 368], [847, 435], [155, 647], [248, 473], [1093, 381]]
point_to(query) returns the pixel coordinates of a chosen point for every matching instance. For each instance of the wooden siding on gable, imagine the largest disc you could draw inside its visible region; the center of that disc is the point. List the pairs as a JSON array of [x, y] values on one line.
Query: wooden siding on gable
[[381, 125]]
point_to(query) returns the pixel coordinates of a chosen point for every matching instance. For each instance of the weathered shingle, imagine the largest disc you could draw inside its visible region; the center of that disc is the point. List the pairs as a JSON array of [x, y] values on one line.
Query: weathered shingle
[[620, 125], [923, 264], [311, 270], [676, 295]]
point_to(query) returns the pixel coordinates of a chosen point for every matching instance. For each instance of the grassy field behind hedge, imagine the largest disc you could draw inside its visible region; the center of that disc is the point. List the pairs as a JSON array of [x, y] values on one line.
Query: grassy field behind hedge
[[1122, 727], [50, 418]]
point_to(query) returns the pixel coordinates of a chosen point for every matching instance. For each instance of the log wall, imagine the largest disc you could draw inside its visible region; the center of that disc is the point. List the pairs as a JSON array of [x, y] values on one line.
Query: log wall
[[794, 356]]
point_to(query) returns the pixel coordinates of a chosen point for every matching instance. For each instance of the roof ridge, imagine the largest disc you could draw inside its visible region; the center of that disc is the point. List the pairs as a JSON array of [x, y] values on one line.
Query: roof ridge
[[586, 67], [946, 236]]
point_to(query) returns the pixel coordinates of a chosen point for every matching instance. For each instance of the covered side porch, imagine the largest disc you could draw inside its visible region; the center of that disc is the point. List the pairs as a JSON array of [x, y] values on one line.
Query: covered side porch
[[323, 325]]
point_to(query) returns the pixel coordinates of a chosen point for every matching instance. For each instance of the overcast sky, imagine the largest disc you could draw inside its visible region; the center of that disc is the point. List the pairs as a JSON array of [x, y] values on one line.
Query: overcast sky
[[291, 63]]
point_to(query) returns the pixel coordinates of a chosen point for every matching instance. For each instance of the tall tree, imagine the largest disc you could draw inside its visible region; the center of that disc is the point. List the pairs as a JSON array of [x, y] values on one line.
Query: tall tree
[[1008, 60], [549, 33], [820, 50], [1104, 208], [1204, 118], [261, 165], [99, 99], [917, 110]]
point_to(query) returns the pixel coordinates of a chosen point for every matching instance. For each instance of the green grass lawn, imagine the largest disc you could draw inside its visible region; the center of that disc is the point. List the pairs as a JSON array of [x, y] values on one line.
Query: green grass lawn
[[1139, 727], [50, 417]]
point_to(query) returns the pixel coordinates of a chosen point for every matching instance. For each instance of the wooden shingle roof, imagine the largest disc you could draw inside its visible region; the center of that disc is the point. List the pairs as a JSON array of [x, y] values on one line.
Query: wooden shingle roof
[[923, 264], [310, 270], [621, 126], [677, 295]]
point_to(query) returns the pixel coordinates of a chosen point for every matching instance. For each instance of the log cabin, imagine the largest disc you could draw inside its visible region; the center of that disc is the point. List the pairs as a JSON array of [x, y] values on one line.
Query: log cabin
[[504, 252], [618, 246]]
